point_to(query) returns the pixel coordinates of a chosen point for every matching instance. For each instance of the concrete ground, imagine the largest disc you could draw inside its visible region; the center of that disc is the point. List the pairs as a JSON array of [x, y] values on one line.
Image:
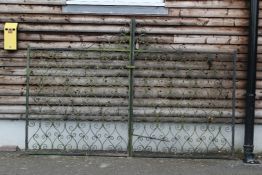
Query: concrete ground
[[16, 164]]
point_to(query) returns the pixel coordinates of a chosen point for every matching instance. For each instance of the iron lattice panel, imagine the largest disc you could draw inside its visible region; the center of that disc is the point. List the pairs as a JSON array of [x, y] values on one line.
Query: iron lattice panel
[[184, 101], [77, 99]]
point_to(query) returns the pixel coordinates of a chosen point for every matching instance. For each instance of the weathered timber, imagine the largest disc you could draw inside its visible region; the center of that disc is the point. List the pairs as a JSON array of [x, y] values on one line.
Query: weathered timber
[[80, 28], [138, 102], [123, 81], [121, 111], [207, 4], [141, 92], [225, 13], [119, 64], [165, 39], [21, 53], [122, 20], [78, 72], [43, 2], [14, 8], [219, 26]]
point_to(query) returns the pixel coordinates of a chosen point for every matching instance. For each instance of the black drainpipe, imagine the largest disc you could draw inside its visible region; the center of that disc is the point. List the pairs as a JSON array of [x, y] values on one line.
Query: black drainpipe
[[251, 84]]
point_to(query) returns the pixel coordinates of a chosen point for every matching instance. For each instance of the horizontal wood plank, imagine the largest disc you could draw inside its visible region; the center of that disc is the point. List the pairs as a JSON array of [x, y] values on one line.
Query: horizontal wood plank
[[207, 4], [43, 2], [14, 8]]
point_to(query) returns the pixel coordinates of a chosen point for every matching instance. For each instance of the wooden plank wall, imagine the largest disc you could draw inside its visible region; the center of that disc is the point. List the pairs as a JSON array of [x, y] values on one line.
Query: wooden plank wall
[[212, 25]]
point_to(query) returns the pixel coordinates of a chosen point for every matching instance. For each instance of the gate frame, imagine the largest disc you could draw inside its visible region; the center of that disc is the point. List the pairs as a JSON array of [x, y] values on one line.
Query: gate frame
[[132, 50]]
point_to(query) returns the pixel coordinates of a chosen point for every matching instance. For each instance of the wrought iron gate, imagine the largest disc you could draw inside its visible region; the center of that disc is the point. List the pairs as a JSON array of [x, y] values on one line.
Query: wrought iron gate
[[129, 95]]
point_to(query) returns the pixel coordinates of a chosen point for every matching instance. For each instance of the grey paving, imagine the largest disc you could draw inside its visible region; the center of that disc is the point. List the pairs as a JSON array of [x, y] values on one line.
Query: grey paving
[[16, 164]]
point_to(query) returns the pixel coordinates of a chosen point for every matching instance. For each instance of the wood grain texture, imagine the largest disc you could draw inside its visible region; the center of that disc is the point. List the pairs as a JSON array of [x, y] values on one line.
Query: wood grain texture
[[206, 25], [43, 2]]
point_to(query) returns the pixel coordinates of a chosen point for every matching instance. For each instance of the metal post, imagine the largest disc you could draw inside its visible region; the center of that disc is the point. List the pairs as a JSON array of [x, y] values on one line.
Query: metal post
[[131, 86], [234, 103], [251, 84], [27, 96]]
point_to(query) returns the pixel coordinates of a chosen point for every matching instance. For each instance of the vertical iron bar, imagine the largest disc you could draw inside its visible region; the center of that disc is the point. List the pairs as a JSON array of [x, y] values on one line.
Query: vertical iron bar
[[131, 86], [249, 156], [27, 96], [233, 103]]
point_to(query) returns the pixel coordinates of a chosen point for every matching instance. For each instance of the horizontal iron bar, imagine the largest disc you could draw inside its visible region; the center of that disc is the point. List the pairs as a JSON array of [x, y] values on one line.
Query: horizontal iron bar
[[127, 50], [76, 153], [76, 49], [177, 51], [184, 156]]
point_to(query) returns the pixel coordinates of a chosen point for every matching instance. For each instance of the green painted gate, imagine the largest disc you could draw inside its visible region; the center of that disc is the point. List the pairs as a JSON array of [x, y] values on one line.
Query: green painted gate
[[132, 95]]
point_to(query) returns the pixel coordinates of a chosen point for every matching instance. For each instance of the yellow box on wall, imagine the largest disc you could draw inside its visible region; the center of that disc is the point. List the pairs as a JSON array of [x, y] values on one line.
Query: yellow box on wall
[[10, 36]]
